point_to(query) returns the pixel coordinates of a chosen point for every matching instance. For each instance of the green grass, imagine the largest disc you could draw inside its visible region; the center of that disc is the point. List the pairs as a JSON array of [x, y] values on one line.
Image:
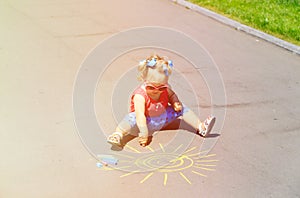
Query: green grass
[[280, 18]]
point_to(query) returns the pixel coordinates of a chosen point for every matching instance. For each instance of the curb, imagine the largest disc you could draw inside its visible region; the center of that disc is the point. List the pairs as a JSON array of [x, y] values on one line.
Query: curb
[[249, 30]]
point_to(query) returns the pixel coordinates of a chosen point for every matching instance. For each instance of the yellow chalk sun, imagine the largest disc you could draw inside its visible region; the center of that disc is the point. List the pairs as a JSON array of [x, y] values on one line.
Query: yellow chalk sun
[[166, 163]]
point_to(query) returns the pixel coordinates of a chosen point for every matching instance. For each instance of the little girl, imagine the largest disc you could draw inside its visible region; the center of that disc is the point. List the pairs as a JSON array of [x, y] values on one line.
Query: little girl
[[154, 105]]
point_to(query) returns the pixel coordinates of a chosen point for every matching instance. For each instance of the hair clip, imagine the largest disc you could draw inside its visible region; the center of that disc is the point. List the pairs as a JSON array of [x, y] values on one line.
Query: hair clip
[[152, 62], [142, 62], [165, 69], [170, 63]]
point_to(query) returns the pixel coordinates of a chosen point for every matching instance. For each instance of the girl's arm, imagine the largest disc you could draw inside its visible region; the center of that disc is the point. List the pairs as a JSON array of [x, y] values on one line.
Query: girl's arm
[[174, 101], [139, 106]]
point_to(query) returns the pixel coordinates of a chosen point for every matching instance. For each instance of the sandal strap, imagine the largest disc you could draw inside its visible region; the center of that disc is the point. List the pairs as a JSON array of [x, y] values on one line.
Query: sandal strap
[[115, 138], [118, 133], [206, 123]]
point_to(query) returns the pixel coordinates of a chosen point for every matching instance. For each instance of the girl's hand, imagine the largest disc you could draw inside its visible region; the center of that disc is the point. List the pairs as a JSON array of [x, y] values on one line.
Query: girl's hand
[[139, 105], [143, 141], [177, 106]]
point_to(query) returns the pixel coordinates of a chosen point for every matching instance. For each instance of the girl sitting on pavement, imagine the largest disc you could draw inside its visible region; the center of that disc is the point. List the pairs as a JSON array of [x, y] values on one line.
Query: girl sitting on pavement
[[154, 105]]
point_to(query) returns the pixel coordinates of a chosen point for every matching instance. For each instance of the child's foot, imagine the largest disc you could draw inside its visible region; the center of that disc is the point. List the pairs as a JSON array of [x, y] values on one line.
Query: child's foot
[[206, 126], [115, 138]]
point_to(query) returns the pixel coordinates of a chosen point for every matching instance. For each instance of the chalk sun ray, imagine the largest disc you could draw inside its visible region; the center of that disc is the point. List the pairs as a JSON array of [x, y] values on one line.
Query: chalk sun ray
[[191, 149], [124, 167], [177, 148], [197, 173], [162, 147], [133, 149], [165, 179], [126, 161], [207, 160], [208, 169], [151, 149], [185, 178], [205, 156], [147, 177], [131, 173]]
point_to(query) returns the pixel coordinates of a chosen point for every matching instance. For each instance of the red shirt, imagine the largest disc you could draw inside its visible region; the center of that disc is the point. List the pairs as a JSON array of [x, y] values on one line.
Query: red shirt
[[152, 107]]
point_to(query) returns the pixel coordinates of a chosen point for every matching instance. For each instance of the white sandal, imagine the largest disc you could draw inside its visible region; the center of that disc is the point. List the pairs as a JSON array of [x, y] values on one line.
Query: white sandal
[[115, 138], [208, 124]]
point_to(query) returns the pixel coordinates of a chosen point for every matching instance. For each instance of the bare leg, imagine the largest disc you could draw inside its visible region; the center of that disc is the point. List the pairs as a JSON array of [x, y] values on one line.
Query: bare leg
[[124, 128], [128, 126], [192, 119]]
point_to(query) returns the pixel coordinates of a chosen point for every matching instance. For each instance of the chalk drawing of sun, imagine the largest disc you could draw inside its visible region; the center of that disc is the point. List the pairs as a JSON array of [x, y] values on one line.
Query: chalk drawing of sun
[[166, 163]]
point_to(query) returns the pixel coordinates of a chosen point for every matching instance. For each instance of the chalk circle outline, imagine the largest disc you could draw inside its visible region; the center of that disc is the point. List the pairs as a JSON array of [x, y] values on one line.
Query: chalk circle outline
[[100, 57], [148, 162]]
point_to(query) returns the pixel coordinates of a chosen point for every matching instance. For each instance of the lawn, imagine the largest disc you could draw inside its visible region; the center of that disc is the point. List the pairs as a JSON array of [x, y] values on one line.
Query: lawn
[[280, 18]]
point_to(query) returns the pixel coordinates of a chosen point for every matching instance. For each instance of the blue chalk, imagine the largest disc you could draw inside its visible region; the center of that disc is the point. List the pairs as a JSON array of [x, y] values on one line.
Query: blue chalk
[[99, 165], [110, 161]]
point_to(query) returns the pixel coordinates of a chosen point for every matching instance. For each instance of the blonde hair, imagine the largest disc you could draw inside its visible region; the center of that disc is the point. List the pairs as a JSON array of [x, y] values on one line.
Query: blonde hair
[[158, 72]]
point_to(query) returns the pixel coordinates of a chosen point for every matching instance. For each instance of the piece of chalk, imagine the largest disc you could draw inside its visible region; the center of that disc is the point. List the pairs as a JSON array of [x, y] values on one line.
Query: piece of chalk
[[104, 163], [99, 165], [110, 161]]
